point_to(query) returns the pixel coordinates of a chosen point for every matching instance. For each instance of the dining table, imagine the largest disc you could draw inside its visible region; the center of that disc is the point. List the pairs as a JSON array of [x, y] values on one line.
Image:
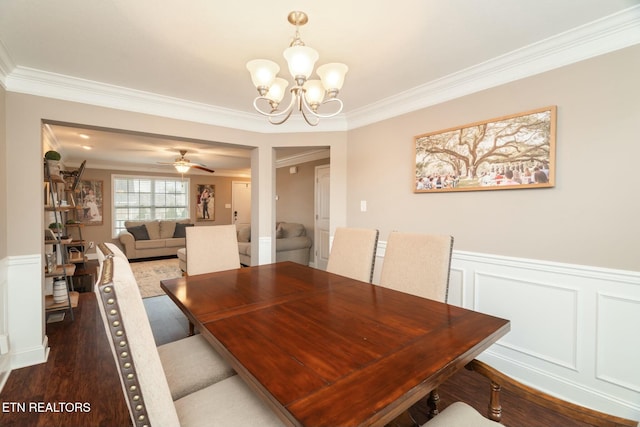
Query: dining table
[[326, 350]]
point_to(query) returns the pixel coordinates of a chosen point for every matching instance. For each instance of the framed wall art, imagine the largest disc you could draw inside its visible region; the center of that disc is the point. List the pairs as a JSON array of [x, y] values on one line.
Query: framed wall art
[[511, 152], [205, 206], [90, 199]]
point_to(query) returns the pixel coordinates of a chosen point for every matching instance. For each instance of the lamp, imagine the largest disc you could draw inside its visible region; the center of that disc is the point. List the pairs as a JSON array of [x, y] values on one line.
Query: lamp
[[306, 95]]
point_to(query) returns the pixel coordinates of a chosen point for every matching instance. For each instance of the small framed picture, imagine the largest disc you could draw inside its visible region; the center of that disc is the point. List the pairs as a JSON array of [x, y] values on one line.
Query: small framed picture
[[205, 206]]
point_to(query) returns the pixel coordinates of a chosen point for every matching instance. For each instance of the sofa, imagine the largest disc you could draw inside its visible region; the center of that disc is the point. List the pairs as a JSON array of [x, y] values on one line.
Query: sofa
[[146, 239], [292, 243]]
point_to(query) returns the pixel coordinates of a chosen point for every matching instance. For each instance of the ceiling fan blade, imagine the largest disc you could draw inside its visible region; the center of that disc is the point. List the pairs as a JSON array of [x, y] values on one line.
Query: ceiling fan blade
[[202, 168]]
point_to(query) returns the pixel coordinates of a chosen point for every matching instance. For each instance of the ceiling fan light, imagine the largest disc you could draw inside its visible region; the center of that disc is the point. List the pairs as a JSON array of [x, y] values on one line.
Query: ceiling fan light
[[301, 60], [182, 168], [263, 72], [332, 76]]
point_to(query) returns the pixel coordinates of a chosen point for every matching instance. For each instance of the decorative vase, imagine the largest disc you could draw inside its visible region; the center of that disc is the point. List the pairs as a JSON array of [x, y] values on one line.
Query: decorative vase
[[59, 291], [54, 168]]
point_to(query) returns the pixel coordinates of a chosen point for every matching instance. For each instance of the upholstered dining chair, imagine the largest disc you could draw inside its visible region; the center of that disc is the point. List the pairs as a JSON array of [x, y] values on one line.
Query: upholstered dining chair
[[353, 253], [460, 414], [212, 248], [418, 264], [145, 382], [190, 363]]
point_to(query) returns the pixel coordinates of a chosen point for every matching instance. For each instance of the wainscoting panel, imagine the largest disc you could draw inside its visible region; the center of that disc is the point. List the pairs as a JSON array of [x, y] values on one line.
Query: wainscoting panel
[[28, 344], [611, 363], [557, 342], [574, 329]]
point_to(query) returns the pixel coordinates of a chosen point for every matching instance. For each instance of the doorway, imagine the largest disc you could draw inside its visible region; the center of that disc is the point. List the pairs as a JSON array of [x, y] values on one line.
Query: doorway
[[322, 216], [240, 202]]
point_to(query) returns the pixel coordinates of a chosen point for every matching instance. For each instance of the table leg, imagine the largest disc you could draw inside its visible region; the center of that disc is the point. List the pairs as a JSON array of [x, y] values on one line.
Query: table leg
[[433, 401]]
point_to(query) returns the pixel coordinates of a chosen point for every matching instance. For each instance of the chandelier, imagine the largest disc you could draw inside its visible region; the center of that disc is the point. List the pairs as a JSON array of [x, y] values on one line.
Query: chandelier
[[306, 95]]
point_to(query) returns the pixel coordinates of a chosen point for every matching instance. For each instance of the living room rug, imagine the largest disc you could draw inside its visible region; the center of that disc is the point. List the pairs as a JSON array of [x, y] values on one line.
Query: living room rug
[[149, 273]]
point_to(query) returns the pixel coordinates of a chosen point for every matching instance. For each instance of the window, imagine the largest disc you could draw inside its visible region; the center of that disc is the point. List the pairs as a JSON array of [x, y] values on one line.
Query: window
[[144, 198]]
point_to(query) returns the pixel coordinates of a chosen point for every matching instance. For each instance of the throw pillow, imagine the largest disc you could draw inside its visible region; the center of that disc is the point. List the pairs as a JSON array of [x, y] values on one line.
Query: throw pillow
[[181, 230], [139, 232], [279, 231], [244, 233]]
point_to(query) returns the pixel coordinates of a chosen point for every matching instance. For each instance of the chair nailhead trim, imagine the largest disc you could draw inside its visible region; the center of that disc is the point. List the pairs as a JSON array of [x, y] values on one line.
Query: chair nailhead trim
[[119, 338]]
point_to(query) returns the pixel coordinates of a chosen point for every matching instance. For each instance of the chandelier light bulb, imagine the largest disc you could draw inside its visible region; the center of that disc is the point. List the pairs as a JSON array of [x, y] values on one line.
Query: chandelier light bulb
[[301, 60], [332, 76], [263, 72], [277, 90], [314, 93]]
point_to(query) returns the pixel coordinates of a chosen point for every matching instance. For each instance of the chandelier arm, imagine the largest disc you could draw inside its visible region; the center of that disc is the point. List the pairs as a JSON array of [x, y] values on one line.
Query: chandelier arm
[[275, 122], [286, 111], [306, 119], [326, 101]]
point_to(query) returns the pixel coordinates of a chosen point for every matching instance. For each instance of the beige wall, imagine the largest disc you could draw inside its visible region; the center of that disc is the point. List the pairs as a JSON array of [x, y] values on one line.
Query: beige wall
[[102, 233], [23, 117], [25, 113], [296, 194], [590, 217]]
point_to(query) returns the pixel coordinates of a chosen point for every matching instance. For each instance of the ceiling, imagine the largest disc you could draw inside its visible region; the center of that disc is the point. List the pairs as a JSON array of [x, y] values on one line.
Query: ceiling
[[195, 53]]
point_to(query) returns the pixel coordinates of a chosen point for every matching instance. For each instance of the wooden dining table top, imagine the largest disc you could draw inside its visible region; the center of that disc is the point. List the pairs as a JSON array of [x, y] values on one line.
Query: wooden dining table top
[[325, 350]]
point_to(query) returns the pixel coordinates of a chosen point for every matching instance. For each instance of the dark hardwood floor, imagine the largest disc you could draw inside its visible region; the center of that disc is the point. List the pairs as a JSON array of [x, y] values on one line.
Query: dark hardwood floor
[[80, 370]]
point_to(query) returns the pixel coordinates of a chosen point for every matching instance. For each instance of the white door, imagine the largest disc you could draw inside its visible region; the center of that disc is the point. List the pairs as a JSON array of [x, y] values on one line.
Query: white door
[[241, 202], [321, 234]]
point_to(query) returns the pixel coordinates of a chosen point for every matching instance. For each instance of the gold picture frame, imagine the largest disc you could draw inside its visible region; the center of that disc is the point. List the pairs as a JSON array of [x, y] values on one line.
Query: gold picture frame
[[506, 153], [90, 199], [205, 202]]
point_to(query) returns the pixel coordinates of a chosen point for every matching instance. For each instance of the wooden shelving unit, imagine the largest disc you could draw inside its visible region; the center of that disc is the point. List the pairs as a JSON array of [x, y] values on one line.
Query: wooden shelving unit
[[61, 244]]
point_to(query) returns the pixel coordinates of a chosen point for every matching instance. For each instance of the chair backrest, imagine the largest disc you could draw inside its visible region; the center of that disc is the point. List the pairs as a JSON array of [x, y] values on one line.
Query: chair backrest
[[132, 344], [353, 253], [212, 248], [418, 264]]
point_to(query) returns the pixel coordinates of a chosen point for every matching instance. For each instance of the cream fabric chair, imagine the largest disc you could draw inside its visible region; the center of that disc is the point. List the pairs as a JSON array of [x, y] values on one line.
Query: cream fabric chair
[[418, 264], [353, 253], [212, 248], [460, 414], [189, 364], [229, 402]]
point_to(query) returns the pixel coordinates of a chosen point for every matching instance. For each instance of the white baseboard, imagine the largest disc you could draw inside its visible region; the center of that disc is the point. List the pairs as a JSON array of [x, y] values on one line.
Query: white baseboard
[[30, 356]]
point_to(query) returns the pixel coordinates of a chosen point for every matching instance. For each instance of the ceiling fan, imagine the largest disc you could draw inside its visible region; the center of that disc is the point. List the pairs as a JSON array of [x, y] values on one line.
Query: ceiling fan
[[183, 165]]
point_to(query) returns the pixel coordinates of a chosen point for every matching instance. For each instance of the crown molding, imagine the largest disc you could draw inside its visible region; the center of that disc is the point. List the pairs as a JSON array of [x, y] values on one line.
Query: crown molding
[[6, 65], [308, 156], [605, 35], [602, 36]]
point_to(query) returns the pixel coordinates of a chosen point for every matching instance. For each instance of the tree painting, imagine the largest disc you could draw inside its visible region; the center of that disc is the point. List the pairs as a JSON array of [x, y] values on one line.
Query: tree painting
[[510, 152]]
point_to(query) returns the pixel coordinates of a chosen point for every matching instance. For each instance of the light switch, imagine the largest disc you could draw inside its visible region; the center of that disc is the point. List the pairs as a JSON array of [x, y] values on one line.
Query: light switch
[[227, 205], [363, 205]]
